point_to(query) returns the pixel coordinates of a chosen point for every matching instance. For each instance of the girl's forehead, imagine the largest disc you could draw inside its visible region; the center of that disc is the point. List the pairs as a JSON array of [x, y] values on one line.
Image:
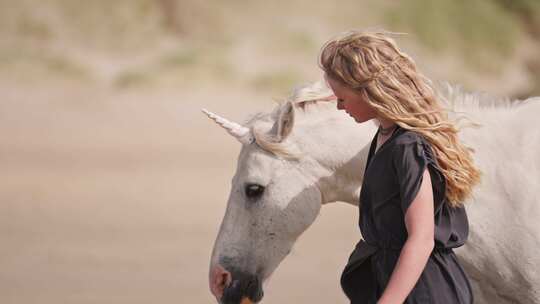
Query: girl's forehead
[[332, 83], [338, 87]]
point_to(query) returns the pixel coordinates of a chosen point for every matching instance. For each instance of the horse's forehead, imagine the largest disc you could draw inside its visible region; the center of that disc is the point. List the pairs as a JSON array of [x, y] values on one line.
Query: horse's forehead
[[253, 158], [257, 157]]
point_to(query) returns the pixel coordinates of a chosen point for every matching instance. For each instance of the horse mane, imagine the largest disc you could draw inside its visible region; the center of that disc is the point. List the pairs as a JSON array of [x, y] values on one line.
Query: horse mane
[[456, 98], [313, 99]]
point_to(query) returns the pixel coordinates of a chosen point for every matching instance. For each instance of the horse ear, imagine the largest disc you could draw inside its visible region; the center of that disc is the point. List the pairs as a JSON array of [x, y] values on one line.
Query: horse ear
[[285, 122]]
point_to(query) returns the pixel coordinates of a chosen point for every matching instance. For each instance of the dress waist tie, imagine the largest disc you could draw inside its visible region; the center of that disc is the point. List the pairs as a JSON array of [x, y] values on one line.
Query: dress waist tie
[[396, 248]]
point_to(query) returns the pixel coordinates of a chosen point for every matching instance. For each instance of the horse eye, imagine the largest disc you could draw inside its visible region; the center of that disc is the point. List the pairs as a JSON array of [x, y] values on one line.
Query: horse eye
[[254, 190]]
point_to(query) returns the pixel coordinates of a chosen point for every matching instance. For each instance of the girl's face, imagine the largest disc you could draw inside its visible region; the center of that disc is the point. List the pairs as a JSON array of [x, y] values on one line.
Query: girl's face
[[350, 101]]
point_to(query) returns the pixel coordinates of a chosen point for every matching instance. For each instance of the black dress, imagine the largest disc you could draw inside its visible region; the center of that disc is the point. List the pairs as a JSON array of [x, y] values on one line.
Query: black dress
[[392, 179]]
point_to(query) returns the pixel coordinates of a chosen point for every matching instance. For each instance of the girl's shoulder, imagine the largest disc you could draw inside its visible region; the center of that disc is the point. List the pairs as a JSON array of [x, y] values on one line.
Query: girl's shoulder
[[407, 137], [409, 143]]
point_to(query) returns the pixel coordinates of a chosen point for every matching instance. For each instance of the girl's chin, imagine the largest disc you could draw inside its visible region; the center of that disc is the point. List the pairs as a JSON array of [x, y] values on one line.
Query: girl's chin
[[359, 120]]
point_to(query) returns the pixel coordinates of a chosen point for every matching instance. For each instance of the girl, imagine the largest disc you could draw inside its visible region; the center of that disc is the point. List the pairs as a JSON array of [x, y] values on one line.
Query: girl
[[416, 179]]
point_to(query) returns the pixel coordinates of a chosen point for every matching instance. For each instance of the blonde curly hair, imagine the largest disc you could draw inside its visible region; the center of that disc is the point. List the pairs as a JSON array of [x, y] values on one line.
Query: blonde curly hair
[[387, 79]]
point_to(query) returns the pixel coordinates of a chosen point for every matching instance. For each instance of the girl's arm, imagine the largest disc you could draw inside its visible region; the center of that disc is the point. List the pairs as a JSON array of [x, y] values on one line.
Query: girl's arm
[[419, 220]]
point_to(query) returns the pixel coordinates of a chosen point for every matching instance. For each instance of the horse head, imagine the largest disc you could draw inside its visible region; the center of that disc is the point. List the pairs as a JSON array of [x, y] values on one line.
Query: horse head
[[284, 174]]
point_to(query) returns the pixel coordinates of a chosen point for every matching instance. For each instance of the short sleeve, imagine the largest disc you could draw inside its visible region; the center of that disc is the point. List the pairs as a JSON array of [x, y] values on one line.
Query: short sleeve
[[410, 159]]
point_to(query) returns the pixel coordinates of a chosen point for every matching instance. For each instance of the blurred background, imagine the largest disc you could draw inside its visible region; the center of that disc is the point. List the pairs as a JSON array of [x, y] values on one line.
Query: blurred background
[[113, 183]]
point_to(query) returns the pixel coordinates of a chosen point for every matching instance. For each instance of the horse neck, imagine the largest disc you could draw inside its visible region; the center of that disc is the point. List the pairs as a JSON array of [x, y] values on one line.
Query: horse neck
[[343, 185], [338, 164]]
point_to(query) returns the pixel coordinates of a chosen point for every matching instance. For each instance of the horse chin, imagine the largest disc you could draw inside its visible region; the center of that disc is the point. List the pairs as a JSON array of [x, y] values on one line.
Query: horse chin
[[244, 289], [244, 301]]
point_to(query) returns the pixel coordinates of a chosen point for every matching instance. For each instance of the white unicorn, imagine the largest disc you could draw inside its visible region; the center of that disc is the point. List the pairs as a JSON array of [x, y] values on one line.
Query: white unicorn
[[305, 154]]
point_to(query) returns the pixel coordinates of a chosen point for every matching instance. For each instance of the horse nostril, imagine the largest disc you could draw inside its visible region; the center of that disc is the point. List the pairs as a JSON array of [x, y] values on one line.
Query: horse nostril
[[220, 279], [225, 279]]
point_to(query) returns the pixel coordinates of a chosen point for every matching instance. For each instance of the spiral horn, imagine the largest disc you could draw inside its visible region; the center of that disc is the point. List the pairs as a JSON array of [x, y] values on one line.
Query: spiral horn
[[240, 132]]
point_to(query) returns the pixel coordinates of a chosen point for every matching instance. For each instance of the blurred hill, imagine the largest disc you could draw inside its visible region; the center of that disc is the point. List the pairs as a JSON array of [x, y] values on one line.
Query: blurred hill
[[487, 45]]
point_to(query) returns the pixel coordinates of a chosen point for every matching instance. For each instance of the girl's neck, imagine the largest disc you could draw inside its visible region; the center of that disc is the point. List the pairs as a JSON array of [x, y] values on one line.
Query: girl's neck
[[385, 123]]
